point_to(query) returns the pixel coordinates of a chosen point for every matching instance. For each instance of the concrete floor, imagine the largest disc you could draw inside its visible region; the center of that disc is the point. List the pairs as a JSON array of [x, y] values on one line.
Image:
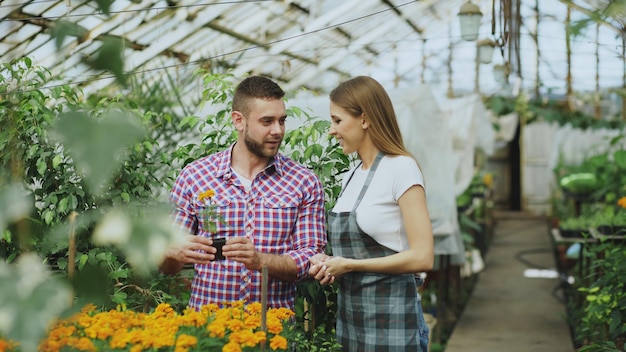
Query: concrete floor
[[507, 311]]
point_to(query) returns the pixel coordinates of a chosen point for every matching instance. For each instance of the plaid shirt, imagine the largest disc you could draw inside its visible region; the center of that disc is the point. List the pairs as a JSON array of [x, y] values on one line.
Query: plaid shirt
[[283, 213]]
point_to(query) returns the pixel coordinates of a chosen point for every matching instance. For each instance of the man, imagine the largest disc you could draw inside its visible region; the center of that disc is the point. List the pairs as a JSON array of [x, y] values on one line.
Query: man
[[272, 209]]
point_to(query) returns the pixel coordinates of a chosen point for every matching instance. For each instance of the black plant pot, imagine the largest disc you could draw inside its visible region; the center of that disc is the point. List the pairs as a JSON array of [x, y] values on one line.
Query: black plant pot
[[612, 230], [572, 233]]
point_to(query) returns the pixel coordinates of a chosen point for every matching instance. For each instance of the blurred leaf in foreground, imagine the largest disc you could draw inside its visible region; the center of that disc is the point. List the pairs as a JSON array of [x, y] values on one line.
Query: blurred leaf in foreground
[[31, 300], [143, 238], [14, 205], [97, 146]]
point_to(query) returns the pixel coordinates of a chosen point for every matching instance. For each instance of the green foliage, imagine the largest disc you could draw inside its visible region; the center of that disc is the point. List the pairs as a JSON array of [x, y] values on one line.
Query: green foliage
[[603, 315], [575, 223], [63, 29], [86, 180], [95, 162], [109, 58]]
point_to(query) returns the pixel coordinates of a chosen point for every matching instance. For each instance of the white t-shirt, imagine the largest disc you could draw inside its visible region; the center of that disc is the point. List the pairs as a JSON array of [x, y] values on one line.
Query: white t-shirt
[[378, 214]]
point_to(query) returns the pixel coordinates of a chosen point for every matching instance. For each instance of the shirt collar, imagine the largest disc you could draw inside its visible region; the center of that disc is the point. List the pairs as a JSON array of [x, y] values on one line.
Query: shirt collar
[[226, 157]]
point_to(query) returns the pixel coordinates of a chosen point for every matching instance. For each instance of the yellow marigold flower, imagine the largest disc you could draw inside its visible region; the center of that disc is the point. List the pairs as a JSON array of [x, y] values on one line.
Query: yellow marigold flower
[[231, 347], [488, 179], [252, 321], [208, 194], [274, 325], [260, 336], [209, 308], [622, 202], [185, 340], [235, 324], [245, 338], [6, 345], [165, 308], [88, 308], [254, 308], [84, 344], [282, 313], [278, 343], [217, 328]]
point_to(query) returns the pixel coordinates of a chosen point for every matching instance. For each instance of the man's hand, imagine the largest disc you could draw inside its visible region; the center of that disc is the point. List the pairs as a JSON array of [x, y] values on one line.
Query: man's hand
[[196, 250], [241, 249], [317, 269]]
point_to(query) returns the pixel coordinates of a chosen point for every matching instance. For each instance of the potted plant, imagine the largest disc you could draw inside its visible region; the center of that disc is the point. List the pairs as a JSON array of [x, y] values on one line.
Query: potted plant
[[574, 227], [611, 220]]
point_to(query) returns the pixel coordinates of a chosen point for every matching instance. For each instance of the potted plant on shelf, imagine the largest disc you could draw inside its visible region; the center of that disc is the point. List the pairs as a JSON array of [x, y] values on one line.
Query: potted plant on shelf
[[611, 220], [574, 227]]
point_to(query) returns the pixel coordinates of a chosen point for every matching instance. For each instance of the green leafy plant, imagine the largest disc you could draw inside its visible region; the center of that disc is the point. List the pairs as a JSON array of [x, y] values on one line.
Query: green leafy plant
[[603, 315]]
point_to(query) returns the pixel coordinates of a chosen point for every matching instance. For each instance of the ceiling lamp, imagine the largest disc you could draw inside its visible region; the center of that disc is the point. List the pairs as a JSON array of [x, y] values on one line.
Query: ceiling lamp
[[485, 50], [501, 73], [469, 16]]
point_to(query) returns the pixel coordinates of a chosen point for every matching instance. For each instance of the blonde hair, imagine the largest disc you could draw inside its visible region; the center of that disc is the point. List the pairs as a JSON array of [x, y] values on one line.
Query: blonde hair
[[363, 95]]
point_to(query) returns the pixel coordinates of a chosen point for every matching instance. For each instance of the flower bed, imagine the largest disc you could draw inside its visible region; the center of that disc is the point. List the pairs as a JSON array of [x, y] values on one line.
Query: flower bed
[[233, 327]]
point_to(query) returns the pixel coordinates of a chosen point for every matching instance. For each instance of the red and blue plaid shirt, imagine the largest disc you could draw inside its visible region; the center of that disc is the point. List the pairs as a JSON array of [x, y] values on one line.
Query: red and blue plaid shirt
[[282, 213]]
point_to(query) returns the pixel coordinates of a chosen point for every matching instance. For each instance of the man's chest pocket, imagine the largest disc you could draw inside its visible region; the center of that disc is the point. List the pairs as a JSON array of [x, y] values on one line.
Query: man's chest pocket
[[280, 211], [213, 215]]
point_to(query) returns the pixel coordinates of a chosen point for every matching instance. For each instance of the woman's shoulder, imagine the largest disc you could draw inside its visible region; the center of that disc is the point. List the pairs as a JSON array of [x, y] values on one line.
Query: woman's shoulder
[[402, 166], [399, 161]]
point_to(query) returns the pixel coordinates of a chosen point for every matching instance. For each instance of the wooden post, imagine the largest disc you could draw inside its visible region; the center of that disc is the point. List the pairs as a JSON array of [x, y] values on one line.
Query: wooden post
[[264, 283], [71, 255]]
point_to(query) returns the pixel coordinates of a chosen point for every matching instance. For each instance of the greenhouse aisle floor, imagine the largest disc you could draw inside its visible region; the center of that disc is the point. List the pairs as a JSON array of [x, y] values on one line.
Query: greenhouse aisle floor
[[508, 311]]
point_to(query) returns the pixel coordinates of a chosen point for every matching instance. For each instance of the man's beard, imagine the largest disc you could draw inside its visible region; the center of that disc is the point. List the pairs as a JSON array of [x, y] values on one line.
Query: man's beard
[[257, 148]]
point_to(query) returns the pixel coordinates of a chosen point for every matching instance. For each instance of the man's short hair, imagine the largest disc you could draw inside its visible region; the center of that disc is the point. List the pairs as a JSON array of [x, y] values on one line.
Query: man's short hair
[[255, 87]]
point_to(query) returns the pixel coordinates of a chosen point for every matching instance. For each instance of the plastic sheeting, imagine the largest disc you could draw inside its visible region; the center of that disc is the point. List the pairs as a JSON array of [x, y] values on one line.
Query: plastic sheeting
[[546, 145], [443, 142]]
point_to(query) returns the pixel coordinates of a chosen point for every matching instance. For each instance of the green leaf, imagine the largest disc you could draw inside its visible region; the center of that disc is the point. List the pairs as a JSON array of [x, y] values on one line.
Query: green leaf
[[82, 260], [63, 28], [63, 205], [56, 161], [41, 166], [109, 57], [48, 216]]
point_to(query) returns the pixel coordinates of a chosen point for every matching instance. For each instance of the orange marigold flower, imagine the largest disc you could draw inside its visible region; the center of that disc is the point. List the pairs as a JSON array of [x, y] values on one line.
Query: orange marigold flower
[[84, 344], [278, 343], [235, 324], [231, 347], [186, 341], [274, 325], [245, 338], [210, 193], [252, 321], [622, 202], [217, 328]]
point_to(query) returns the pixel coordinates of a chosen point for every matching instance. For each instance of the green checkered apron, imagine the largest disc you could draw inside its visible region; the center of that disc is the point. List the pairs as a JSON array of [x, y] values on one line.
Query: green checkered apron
[[375, 312]]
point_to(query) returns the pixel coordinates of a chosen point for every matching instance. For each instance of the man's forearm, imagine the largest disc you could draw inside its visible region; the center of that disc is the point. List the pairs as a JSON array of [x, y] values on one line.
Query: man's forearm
[[281, 267]]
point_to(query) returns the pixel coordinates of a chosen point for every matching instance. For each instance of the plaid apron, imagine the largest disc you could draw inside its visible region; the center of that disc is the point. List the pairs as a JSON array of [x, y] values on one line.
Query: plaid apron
[[375, 312]]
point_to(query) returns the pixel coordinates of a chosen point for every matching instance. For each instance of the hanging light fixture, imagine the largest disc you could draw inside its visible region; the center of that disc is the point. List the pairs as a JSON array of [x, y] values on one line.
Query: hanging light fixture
[[469, 15], [501, 73], [485, 50]]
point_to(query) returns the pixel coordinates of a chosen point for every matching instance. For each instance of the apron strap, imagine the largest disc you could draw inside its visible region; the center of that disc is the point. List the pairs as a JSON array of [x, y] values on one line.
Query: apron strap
[[368, 180]]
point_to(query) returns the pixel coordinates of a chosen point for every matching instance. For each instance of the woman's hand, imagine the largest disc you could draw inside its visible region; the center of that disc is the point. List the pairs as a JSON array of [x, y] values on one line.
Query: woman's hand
[[337, 266], [317, 270]]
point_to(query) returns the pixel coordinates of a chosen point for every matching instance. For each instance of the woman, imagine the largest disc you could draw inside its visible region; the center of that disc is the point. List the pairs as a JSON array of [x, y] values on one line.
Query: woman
[[379, 229]]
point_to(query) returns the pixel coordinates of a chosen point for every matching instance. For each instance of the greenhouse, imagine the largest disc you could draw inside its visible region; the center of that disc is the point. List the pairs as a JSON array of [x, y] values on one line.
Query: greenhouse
[[133, 219]]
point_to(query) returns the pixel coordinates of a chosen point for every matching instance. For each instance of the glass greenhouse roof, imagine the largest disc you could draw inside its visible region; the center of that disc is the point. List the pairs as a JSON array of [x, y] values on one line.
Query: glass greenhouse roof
[[306, 43]]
